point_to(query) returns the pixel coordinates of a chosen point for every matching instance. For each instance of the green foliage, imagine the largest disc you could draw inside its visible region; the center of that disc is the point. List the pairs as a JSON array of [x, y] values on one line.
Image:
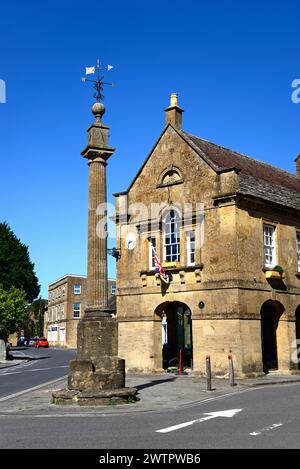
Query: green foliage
[[278, 268], [13, 311], [132, 400], [172, 369], [36, 311], [16, 269], [112, 402]]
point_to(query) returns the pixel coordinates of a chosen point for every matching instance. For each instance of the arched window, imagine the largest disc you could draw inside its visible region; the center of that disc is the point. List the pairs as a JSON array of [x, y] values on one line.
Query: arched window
[[172, 237]]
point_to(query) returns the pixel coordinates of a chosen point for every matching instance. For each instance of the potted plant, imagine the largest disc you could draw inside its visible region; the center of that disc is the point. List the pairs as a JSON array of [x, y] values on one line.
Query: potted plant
[[275, 272]]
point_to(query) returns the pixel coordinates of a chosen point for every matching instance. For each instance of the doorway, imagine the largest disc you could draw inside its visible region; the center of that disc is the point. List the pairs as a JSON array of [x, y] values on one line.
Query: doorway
[[176, 321], [298, 334], [270, 315]]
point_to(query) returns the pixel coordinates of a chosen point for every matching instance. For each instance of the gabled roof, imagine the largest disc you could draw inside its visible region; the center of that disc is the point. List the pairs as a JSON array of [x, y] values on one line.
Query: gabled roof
[[188, 141], [256, 177]]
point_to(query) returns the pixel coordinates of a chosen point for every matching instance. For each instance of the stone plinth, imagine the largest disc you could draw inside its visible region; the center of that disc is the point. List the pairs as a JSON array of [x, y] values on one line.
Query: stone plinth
[[89, 398], [97, 374]]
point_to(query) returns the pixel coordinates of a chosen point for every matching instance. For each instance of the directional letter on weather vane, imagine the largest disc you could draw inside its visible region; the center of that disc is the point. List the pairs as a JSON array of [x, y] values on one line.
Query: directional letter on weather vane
[[98, 82]]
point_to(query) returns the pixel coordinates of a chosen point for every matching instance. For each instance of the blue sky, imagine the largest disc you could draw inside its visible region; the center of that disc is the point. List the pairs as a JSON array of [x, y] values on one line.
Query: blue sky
[[231, 62]]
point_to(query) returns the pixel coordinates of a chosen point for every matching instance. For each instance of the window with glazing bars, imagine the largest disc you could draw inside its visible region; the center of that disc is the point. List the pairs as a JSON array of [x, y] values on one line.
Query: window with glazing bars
[[172, 237], [76, 310], [269, 246], [191, 248], [152, 244], [298, 252]]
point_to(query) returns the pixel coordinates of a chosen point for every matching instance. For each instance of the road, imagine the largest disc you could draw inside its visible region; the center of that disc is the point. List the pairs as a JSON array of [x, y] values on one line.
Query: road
[[262, 417], [44, 365]]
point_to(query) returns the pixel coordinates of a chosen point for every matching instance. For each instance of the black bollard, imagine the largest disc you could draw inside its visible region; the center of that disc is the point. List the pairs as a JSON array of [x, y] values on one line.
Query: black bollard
[[208, 373], [230, 369]]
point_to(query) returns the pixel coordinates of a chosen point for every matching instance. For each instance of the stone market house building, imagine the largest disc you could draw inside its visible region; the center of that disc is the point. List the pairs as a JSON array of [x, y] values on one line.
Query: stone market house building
[[66, 306], [224, 294]]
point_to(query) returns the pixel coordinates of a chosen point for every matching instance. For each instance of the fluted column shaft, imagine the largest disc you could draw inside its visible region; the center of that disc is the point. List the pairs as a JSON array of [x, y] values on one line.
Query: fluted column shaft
[[97, 295]]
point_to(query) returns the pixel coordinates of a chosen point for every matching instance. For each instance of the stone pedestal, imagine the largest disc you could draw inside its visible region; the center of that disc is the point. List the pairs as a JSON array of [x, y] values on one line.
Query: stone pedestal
[[97, 374]]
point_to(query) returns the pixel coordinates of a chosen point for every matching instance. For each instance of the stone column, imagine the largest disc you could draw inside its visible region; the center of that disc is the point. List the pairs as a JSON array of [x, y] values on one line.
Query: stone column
[[97, 296], [97, 375]]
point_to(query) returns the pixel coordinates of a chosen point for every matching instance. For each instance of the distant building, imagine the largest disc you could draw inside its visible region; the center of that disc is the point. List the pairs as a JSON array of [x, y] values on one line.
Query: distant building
[[66, 305]]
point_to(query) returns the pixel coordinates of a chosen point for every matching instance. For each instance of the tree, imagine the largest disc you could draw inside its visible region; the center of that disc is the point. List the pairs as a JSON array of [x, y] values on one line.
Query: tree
[[13, 311], [16, 269], [36, 313]]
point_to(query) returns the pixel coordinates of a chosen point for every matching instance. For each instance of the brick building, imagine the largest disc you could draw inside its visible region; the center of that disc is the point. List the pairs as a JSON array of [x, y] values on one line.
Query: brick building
[[227, 229], [66, 305]]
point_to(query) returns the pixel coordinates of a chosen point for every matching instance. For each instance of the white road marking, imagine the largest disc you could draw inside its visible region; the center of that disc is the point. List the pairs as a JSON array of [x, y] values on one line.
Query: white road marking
[[266, 429], [18, 354], [37, 369], [9, 369], [25, 391], [211, 415]]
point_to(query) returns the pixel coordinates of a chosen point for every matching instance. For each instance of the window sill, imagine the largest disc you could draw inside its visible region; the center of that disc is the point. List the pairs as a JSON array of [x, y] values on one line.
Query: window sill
[[268, 269], [186, 268]]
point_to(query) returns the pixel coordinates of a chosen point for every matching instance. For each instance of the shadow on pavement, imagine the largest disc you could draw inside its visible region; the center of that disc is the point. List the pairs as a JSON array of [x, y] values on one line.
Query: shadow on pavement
[[154, 383]]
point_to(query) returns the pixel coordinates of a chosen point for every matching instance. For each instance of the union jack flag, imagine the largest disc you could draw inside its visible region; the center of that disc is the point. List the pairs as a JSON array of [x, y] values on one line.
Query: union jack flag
[[158, 266]]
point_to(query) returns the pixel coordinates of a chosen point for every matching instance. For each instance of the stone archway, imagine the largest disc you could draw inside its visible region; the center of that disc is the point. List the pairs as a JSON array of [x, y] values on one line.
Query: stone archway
[[175, 333], [271, 312], [297, 325]]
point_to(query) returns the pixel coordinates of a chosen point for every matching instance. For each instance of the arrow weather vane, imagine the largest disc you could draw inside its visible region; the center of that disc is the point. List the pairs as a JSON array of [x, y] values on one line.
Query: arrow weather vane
[[98, 83]]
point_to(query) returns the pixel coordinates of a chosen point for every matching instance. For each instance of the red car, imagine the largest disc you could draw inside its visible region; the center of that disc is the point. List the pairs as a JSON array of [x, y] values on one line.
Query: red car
[[42, 342]]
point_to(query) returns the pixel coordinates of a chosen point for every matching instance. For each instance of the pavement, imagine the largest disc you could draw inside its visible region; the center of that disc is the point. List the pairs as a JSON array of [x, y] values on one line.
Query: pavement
[[165, 392], [18, 355], [9, 363]]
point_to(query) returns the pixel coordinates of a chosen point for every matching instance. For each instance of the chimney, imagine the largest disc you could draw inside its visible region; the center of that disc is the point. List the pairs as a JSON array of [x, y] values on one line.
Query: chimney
[[298, 165], [174, 112]]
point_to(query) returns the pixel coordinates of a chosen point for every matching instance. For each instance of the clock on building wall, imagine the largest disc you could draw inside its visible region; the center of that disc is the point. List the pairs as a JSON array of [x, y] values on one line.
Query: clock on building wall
[[130, 241]]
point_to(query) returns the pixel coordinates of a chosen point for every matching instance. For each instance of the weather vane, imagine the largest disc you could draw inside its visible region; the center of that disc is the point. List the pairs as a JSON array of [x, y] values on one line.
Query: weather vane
[[98, 82]]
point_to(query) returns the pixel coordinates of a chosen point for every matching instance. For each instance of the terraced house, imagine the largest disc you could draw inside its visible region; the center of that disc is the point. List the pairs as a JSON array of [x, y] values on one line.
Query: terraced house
[[226, 230], [67, 297]]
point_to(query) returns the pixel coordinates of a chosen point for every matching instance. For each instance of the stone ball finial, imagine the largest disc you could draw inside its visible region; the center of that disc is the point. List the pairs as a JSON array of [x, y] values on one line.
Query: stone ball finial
[[98, 109]]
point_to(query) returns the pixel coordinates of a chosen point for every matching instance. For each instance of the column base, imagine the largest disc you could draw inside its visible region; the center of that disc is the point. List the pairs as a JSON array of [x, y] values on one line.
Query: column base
[[93, 398], [94, 312], [97, 374]]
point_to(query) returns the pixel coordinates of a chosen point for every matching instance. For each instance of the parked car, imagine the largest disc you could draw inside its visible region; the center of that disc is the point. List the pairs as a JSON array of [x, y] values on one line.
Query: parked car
[[21, 341], [32, 341], [42, 342]]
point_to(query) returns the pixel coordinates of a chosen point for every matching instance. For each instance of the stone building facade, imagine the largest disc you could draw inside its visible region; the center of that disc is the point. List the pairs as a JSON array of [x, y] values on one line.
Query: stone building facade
[[66, 306], [226, 229]]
